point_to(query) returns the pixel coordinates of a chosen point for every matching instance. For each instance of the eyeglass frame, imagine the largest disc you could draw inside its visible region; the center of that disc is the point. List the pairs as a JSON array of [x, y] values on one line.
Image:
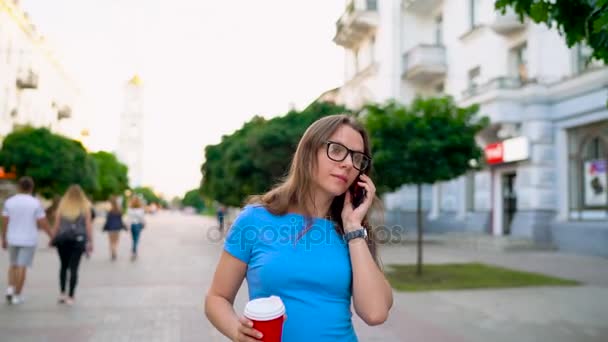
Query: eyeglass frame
[[350, 152]]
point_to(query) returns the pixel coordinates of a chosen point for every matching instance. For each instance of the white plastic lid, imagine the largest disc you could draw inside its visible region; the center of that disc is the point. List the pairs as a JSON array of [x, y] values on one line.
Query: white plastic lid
[[265, 309]]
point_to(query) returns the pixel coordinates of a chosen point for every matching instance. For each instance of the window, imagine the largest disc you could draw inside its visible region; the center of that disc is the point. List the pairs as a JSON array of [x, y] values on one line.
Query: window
[[583, 59], [519, 62], [372, 47], [439, 30], [372, 5], [440, 88], [474, 77], [588, 172], [473, 14]]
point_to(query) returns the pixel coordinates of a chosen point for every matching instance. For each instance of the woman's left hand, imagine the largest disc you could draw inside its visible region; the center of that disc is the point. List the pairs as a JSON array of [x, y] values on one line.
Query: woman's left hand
[[353, 217]]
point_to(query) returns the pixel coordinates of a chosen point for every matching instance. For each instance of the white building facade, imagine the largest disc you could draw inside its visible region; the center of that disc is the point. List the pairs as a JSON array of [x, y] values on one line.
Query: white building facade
[[34, 88], [131, 139], [548, 139]]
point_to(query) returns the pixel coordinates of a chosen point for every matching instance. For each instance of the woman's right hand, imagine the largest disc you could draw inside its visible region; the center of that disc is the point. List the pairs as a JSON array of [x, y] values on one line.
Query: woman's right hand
[[246, 333]]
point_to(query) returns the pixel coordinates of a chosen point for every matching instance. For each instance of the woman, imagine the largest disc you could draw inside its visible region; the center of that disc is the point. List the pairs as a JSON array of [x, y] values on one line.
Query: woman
[[113, 226], [135, 215], [72, 236], [304, 242]]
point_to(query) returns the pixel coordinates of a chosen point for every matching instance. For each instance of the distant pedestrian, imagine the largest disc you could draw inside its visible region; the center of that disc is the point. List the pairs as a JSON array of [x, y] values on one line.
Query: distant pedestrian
[[135, 216], [73, 236], [22, 215], [113, 225], [221, 212]]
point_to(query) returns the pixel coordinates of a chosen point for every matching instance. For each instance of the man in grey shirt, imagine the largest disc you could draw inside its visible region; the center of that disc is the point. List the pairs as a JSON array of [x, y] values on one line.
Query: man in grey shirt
[[22, 214]]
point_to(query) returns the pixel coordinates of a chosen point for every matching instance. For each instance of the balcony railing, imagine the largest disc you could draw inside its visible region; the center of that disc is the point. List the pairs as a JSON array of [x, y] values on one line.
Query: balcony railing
[[424, 63], [507, 23], [422, 7], [27, 80], [356, 24], [498, 83]]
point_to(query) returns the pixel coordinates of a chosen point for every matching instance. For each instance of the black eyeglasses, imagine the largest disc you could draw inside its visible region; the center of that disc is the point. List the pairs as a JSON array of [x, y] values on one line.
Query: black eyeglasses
[[338, 152]]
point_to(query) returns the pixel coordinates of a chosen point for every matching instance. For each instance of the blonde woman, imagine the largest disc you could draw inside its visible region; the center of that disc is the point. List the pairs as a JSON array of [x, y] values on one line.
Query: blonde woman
[[135, 215], [72, 236]]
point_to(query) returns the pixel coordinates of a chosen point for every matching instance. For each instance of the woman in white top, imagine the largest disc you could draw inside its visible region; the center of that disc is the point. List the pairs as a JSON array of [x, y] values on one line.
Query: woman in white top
[[135, 215]]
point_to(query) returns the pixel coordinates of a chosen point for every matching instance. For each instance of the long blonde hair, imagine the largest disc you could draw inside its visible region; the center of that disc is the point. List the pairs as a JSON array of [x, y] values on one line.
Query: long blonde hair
[[73, 203], [296, 190]]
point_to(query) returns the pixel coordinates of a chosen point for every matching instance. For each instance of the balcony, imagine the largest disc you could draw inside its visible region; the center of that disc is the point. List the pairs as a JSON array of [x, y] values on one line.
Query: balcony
[[64, 113], [356, 24], [424, 63], [508, 23], [420, 7], [27, 80], [498, 83]]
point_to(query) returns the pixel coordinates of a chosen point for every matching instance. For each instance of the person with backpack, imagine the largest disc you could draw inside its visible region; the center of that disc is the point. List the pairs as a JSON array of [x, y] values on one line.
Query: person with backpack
[[73, 236]]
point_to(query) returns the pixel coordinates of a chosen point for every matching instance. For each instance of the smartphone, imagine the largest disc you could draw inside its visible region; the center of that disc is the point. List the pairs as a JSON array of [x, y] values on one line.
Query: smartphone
[[357, 193]]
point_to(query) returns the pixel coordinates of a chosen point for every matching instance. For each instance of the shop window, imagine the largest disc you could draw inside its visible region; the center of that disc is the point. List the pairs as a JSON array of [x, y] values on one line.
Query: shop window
[[588, 171]]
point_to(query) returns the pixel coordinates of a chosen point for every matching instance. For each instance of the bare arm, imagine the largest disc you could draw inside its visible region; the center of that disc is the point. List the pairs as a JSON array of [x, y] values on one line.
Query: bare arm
[[89, 228], [4, 229], [219, 301], [372, 293], [43, 223]]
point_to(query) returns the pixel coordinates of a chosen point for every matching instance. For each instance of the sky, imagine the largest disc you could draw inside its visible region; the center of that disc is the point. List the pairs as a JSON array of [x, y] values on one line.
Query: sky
[[207, 68]]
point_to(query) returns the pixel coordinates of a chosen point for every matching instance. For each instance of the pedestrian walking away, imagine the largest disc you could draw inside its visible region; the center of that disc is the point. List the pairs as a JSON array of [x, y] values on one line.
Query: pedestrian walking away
[[308, 242], [22, 215], [221, 212], [137, 222], [72, 236], [113, 226]]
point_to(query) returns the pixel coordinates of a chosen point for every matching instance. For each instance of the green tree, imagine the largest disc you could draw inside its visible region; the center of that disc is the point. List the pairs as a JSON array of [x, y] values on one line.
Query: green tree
[[112, 176], [193, 198], [255, 157], [150, 196], [429, 141], [580, 21], [53, 161]]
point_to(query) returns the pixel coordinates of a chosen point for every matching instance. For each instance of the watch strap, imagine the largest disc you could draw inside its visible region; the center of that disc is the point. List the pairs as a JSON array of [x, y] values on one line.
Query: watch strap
[[359, 233]]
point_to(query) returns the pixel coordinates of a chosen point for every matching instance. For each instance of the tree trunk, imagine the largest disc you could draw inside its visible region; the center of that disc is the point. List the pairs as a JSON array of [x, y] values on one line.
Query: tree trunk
[[419, 226]]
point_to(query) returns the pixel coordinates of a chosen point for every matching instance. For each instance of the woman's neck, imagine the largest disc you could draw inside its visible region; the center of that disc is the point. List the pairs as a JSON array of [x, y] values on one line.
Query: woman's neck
[[318, 207]]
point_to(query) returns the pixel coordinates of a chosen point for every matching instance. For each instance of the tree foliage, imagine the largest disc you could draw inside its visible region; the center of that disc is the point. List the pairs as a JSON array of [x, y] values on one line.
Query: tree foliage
[[428, 141], [53, 161], [579, 21], [150, 196], [254, 158], [112, 176], [193, 198], [431, 140]]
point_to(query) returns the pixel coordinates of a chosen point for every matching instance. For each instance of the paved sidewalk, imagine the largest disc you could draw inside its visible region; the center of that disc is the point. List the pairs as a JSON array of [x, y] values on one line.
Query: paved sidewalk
[[159, 297]]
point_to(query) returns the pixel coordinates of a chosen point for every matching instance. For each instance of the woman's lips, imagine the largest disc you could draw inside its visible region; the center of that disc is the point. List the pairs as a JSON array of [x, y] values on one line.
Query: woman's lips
[[342, 178]]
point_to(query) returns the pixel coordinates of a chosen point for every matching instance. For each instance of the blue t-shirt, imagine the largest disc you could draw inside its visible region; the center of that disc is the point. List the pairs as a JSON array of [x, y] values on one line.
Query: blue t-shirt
[[310, 272]]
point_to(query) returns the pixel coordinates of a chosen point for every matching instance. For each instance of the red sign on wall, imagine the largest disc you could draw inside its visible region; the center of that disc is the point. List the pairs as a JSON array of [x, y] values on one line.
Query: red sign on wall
[[494, 153], [507, 151]]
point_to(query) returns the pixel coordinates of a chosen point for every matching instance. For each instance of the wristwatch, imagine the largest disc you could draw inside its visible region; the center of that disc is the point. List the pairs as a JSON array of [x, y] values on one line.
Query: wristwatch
[[359, 233]]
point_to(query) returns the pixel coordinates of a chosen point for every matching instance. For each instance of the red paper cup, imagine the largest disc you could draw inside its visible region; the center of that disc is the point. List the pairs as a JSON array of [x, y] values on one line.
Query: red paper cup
[[267, 315]]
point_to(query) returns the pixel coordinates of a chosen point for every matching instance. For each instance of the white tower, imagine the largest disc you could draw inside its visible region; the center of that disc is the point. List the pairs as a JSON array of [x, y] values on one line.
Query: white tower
[[130, 147]]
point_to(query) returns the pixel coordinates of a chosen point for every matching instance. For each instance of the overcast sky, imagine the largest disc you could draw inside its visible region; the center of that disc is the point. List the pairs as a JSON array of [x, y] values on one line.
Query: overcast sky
[[207, 67]]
